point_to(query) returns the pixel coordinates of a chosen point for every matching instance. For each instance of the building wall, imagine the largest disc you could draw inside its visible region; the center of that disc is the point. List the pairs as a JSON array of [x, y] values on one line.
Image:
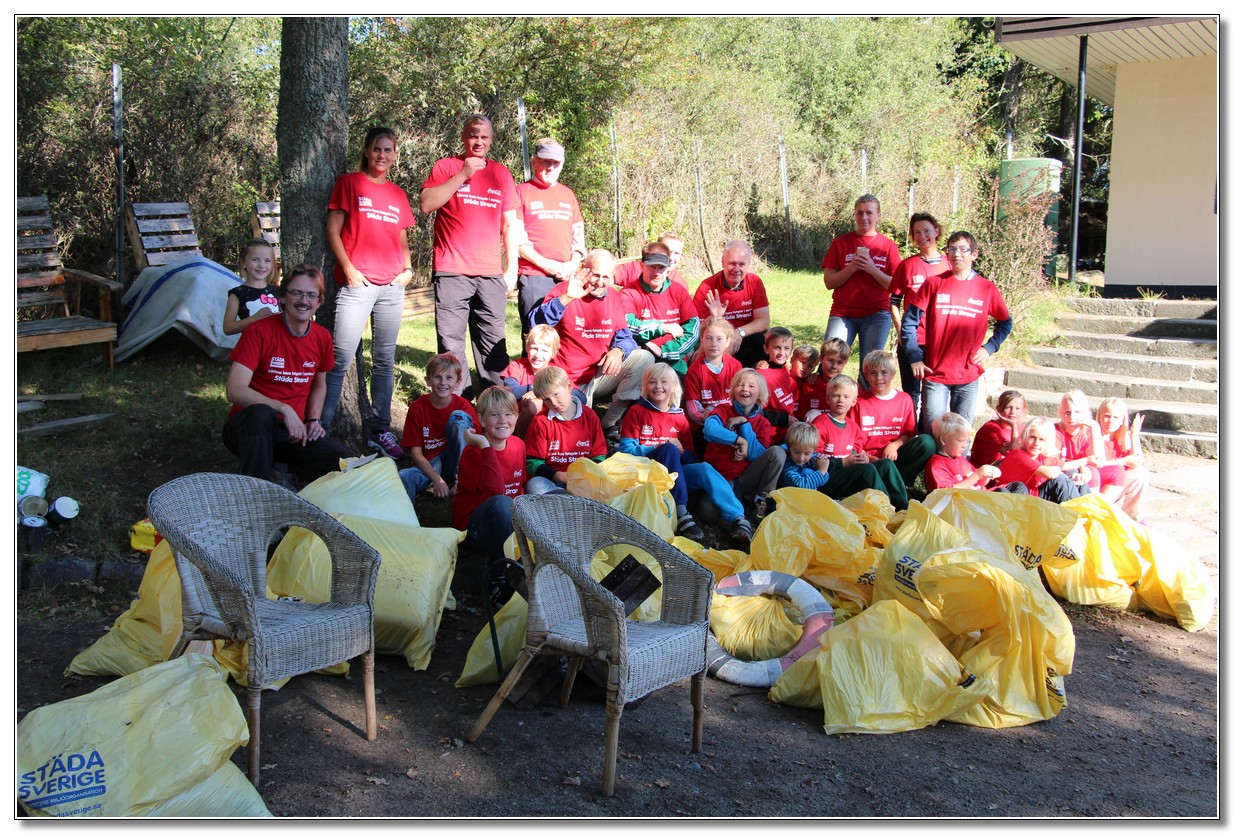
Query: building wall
[[1162, 228]]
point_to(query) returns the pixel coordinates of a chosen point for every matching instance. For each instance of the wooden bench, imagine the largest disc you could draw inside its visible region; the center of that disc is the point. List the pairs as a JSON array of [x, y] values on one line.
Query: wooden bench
[[43, 282], [160, 233], [266, 223]]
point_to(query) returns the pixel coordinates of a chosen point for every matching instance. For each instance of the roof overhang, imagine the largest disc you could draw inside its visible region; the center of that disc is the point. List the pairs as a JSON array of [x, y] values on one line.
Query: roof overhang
[[1052, 44]]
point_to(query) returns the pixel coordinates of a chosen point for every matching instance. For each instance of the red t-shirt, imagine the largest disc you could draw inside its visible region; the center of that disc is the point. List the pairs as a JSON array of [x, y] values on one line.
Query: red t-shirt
[[586, 331], [629, 273], [811, 396], [989, 442], [549, 213], [467, 231], [283, 365], [558, 442], [861, 295], [837, 441], [720, 456], [943, 472], [782, 390], [883, 421], [1075, 446], [743, 302], [956, 314], [425, 426], [375, 214], [909, 278], [706, 386], [519, 370], [485, 473], [1019, 465], [652, 427]]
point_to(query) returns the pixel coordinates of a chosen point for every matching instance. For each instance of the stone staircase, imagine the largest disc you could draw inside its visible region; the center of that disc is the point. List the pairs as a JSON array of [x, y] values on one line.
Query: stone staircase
[[1159, 356]]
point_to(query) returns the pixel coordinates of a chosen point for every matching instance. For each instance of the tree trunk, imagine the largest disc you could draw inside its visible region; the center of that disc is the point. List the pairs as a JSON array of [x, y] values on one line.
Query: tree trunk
[[312, 140]]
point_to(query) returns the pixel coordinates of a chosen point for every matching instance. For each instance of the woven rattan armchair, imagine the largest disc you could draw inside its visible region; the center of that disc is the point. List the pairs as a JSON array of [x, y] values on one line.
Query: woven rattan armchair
[[571, 614], [219, 527]]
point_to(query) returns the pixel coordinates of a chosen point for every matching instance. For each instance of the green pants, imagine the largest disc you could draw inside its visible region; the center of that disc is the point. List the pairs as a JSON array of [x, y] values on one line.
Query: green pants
[[879, 475], [911, 458]]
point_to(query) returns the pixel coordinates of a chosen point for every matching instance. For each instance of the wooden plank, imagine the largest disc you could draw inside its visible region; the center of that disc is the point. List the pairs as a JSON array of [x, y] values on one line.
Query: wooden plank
[[33, 223], [70, 395], [39, 260], [30, 406], [37, 299], [32, 204], [63, 332], [143, 210], [53, 427], [37, 280], [271, 207], [43, 240], [185, 241], [417, 301], [160, 258], [165, 224]]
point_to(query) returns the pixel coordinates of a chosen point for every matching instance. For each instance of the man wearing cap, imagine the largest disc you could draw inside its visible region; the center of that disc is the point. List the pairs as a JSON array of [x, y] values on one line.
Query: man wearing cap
[[598, 353], [659, 312], [739, 297], [629, 273], [474, 198], [553, 246]]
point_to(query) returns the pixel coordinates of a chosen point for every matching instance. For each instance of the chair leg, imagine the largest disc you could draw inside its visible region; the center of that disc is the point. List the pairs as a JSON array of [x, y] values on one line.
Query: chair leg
[[568, 684], [255, 734], [370, 700], [182, 644], [502, 692], [696, 700], [613, 720]]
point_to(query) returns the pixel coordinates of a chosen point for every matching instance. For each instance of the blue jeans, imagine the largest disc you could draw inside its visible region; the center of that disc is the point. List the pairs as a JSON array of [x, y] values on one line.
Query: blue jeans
[[717, 490], [490, 526], [353, 307], [940, 398], [539, 485], [446, 464], [871, 332]]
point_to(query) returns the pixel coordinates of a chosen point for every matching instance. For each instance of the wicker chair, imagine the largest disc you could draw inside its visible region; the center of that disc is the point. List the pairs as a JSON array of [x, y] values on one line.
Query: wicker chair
[[219, 527], [571, 614]]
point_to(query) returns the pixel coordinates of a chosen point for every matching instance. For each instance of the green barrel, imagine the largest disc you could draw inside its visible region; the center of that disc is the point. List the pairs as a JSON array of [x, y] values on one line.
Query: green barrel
[[1030, 178]]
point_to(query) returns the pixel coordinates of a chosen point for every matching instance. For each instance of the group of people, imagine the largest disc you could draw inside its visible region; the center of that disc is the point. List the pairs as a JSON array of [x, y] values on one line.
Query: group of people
[[701, 382]]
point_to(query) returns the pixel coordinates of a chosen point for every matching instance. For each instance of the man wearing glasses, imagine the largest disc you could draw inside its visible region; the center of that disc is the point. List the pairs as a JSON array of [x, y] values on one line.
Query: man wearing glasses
[[277, 384]]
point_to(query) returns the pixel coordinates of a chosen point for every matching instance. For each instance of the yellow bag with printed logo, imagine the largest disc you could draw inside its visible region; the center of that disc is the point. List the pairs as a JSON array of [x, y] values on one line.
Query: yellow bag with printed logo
[[874, 510], [1024, 530]]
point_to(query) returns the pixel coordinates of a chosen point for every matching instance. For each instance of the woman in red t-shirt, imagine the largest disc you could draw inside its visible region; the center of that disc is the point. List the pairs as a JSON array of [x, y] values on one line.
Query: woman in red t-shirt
[[908, 280], [366, 226]]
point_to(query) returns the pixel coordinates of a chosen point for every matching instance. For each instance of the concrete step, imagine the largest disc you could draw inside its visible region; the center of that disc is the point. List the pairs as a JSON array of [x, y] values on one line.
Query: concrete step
[[1152, 368], [1139, 326], [1194, 444], [1142, 346], [1097, 385], [1190, 418], [1162, 308]]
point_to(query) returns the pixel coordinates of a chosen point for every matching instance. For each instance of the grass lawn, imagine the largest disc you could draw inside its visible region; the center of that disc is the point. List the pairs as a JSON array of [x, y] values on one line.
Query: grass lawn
[[168, 404]]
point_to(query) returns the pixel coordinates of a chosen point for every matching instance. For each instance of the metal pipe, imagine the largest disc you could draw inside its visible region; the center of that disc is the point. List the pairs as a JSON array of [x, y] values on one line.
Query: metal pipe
[[117, 118], [527, 166], [1081, 61], [784, 194]]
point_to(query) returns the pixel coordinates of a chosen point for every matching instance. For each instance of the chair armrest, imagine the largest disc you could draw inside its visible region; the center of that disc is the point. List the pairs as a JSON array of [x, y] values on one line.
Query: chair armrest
[[353, 562], [686, 586], [97, 280]]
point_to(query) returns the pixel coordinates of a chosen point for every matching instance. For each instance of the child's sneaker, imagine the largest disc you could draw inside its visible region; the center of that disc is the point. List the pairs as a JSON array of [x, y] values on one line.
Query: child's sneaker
[[387, 444], [741, 530], [687, 526]]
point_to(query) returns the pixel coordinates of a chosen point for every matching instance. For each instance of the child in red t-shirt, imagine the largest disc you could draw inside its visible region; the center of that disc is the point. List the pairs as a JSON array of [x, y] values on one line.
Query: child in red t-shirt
[[709, 375], [886, 417], [540, 345], [491, 476], [998, 436], [841, 438], [782, 388], [949, 468], [565, 429], [433, 431], [813, 394]]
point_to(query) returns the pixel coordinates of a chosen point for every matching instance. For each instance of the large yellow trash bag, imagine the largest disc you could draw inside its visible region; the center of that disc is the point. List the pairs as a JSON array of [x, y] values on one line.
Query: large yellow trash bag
[[412, 583], [1025, 647], [1025, 530], [754, 628], [884, 671], [373, 490], [615, 475], [511, 622], [132, 746], [874, 510], [226, 793], [811, 536], [1126, 565], [720, 563], [147, 632], [653, 509], [799, 685]]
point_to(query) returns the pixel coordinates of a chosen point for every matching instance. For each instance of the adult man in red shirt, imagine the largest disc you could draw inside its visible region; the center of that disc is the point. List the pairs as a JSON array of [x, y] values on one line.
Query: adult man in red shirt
[[474, 198], [628, 273], [660, 313], [598, 353], [858, 269], [552, 247], [277, 384], [739, 297]]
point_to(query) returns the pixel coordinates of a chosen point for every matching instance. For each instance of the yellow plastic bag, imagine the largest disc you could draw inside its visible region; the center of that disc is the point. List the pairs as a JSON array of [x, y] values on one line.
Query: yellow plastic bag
[[720, 563], [874, 510], [615, 475], [799, 685], [754, 628], [372, 490], [1125, 565], [134, 746], [412, 584], [1024, 530], [884, 671], [1025, 643], [811, 536], [511, 622]]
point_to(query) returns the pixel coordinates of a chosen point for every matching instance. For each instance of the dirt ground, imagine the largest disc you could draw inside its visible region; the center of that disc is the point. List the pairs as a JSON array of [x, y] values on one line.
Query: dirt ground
[[1138, 738]]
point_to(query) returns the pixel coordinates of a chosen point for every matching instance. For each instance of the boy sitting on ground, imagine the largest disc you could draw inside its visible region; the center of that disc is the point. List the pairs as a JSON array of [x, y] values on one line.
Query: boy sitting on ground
[[540, 346], [886, 419], [782, 389], [840, 438], [564, 430], [949, 468], [813, 394], [804, 466], [433, 431]]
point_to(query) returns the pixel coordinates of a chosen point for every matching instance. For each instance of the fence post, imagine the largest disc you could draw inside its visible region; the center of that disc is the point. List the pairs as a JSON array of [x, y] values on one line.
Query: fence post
[[527, 166], [617, 193], [707, 253], [117, 119], [784, 193]]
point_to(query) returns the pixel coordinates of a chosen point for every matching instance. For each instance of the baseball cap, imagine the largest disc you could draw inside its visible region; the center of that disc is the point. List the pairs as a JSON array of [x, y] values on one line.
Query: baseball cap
[[548, 149], [656, 259]]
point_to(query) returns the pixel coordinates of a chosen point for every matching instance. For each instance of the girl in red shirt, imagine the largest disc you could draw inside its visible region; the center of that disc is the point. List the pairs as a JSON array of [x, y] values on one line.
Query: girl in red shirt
[[1076, 436], [998, 436], [1035, 463], [1122, 445]]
